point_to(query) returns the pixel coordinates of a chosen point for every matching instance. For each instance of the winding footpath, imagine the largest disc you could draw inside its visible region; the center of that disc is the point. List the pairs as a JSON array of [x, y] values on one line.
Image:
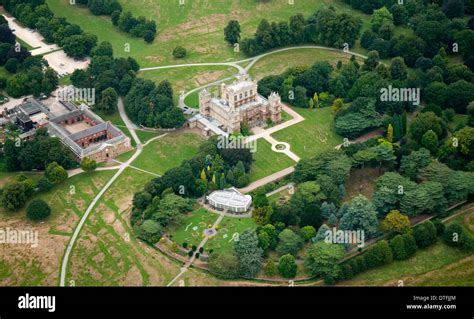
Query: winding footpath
[[91, 206], [139, 146]]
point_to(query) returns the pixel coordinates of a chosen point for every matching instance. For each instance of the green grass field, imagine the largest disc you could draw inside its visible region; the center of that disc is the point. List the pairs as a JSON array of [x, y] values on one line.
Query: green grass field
[[192, 228], [168, 152], [198, 25], [40, 266], [277, 63], [187, 78], [437, 265], [267, 162], [107, 252], [315, 134]]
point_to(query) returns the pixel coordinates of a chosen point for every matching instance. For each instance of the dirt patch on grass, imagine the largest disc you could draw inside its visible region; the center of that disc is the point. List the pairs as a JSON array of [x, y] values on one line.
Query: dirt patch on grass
[[362, 181]]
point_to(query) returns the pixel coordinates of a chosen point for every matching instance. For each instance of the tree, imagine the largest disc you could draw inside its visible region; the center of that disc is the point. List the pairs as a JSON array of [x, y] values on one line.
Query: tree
[[249, 254], [398, 248], [179, 52], [55, 173], [379, 17], [378, 254], [372, 61], [460, 93], [390, 133], [224, 265], [308, 232], [37, 210], [425, 122], [470, 114], [45, 185], [410, 244], [306, 203], [13, 196], [150, 231], [412, 163], [88, 164], [360, 214], [287, 266], [108, 101], [425, 234], [398, 69], [232, 32], [430, 141], [396, 222], [453, 8], [399, 13], [321, 259], [270, 269], [289, 242], [271, 236]]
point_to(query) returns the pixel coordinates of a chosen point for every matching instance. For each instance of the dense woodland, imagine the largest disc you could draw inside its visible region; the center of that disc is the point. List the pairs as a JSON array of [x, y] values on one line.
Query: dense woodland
[[31, 75], [37, 15]]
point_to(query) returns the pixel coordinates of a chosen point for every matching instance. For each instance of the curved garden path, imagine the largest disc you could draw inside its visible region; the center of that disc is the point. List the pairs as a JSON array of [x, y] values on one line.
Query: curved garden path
[[122, 167], [139, 146]]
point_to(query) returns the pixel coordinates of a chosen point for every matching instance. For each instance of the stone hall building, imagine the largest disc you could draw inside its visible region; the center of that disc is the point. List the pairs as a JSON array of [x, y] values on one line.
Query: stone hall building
[[77, 127], [239, 103]]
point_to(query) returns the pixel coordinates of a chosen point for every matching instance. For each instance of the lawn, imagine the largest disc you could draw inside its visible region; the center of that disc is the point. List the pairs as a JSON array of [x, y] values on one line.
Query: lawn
[[312, 136], [192, 228], [267, 162], [438, 265], [168, 152], [431, 259], [187, 78], [198, 25], [192, 100], [40, 266], [107, 252], [277, 63]]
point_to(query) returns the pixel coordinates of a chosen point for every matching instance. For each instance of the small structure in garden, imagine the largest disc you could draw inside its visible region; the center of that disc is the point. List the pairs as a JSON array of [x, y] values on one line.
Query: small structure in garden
[[230, 199]]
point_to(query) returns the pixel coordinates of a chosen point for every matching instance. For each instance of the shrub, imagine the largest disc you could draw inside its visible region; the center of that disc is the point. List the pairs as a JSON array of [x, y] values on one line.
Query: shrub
[[197, 255], [185, 245], [37, 210], [398, 248], [225, 266], [308, 232], [179, 52], [190, 253], [193, 248], [410, 244], [287, 266], [45, 185], [425, 234], [201, 250], [439, 227], [270, 268]]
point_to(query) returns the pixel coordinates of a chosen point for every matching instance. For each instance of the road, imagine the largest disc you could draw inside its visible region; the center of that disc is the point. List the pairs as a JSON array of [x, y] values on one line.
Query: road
[[241, 69], [91, 206]]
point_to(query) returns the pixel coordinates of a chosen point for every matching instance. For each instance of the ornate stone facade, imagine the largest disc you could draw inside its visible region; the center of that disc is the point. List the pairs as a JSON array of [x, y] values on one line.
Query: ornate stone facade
[[240, 103]]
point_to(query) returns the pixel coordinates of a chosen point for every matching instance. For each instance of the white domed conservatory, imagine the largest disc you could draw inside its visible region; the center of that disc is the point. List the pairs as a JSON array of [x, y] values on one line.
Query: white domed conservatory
[[230, 199]]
